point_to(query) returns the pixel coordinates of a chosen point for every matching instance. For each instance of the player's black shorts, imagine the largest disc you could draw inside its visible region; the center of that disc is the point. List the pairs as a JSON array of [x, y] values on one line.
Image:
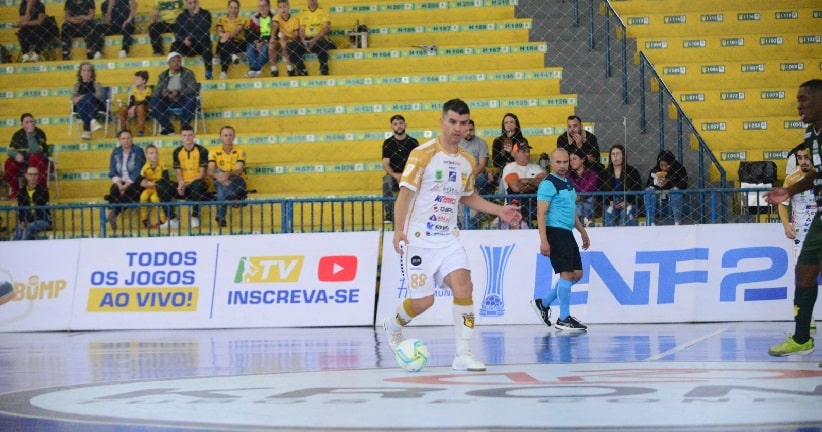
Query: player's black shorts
[[564, 250], [811, 252]]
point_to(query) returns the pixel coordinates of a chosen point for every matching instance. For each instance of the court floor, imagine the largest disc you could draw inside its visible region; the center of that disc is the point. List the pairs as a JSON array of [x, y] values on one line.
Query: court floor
[[673, 377]]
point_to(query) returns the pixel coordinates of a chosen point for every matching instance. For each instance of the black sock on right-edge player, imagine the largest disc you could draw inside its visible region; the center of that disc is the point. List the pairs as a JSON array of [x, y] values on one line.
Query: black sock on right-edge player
[[803, 300]]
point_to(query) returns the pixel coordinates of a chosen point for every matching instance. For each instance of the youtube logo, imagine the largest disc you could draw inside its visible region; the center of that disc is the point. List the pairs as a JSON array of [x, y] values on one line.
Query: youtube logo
[[337, 268]]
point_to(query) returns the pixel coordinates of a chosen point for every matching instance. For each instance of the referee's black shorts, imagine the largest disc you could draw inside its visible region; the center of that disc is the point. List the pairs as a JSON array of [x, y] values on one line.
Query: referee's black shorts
[[564, 250]]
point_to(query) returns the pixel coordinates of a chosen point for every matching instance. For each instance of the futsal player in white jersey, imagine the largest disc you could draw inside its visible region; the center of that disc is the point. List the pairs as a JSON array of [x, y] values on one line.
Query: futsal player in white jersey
[[437, 178], [802, 205]]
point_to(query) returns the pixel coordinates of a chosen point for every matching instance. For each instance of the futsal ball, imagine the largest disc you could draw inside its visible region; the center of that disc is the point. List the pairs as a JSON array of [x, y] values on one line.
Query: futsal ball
[[412, 355]]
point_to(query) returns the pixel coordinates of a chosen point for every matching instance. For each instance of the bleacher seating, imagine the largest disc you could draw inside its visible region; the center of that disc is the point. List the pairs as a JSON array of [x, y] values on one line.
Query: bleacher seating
[[733, 66], [317, 136]]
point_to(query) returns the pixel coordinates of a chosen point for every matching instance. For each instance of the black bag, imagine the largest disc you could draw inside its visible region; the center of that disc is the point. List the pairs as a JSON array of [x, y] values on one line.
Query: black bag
[[50, 29], [757, 172], [5, 54]]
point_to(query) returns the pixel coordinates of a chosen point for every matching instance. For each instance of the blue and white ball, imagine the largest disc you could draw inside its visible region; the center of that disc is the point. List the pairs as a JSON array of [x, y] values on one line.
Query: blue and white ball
[[412, 355]]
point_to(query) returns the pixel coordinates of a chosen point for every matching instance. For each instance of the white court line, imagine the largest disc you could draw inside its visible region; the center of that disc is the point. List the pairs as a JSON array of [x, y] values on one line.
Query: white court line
[[685, 345]]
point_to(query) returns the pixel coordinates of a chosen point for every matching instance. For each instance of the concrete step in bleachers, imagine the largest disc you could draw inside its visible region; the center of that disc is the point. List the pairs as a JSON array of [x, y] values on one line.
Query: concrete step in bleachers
[[751, 133], [53, 102], [704, 6], [721, 75], [750, 47], [726, 22], [285, 164], [268, 116], [739, 102], [343, 13], [366, 62], [405, 35]]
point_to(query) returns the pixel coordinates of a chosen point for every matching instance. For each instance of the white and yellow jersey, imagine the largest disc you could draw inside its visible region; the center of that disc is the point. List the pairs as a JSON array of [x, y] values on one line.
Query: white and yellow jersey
[[438, 180], [803, 207]]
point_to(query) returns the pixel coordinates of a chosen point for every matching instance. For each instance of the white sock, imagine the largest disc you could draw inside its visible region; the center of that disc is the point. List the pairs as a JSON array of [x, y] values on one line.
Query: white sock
[[463, 324], [401, 317]]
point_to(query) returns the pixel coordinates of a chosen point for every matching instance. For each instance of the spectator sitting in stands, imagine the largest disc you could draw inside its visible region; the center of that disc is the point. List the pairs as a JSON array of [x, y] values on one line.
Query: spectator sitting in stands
[[31, 221], [124, 170], [79, 22], [585, 180], [193, 34], [163, 20], [315, 25], [260, 37], [619, 177], [395, 151], [28, 148], [152, 173], [479, 149], [523, 177], [226, 165], [231, 37], [288, 34], [575, 137], [138, 103], [502, 147], [190, 164], [118, 18], [88, 98], [36, 30], [176, 88], [668, 177]]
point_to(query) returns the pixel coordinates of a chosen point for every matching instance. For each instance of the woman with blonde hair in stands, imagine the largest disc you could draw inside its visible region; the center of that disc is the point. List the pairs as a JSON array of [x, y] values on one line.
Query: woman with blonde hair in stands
[[87, 98]]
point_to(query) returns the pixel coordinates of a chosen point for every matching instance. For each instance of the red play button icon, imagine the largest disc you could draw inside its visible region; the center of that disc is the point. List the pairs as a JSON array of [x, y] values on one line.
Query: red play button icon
[[337, 268]]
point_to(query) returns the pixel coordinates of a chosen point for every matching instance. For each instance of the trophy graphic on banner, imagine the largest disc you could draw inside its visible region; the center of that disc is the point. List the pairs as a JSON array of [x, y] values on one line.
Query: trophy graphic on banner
[[496, 260]]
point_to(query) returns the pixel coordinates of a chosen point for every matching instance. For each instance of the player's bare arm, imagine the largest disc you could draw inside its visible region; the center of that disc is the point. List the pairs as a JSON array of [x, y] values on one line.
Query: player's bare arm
[[400, 214], [508, 213]]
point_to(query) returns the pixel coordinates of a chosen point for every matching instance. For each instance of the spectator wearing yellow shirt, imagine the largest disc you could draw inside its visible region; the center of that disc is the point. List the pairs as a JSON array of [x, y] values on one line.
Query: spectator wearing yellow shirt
[[226, 165], [153, 172], [231, 37], [138, 103], [314, 28], [163, 20], [288, 34]]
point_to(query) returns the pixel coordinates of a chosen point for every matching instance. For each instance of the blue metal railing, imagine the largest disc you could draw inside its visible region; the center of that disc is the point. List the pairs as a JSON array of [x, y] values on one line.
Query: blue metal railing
[[280, 215]]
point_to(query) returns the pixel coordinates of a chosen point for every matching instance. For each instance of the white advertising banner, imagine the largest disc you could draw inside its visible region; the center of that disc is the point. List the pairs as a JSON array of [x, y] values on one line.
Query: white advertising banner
[[139, 283], [296, 280], [42, 274], [733, 272], [288, 280]]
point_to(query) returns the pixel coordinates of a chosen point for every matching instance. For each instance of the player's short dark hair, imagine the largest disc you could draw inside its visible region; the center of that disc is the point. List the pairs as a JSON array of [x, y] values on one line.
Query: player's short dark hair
[[142, 74], [815, 85], [23, 117], [396, 117], [457, 105], [575, 117], [187, 127]]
